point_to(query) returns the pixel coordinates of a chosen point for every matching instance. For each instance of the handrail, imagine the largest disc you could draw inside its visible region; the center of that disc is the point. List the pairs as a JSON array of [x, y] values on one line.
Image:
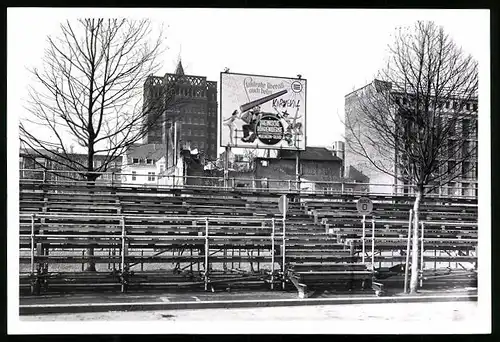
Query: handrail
[[394, 188], [426, 239], [154, 217], [279, 190]]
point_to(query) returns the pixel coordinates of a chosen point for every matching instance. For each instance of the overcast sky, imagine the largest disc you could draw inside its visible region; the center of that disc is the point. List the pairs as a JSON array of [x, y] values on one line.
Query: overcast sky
[[335, 50]]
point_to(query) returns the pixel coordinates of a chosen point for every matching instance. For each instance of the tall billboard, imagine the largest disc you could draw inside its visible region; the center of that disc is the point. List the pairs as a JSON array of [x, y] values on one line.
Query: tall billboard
[[262, 112]]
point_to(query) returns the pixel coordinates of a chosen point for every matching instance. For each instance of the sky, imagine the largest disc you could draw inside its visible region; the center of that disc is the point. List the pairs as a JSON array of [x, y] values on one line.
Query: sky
[[336, 50]]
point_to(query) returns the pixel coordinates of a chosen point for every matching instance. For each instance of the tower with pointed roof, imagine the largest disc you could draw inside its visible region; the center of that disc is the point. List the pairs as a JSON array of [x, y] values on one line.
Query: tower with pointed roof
[[194, 113], [179, 70]]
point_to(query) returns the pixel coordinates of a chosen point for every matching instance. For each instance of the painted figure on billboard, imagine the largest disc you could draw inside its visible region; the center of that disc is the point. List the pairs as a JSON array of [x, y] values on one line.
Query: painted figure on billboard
[[251, 118], [258, 108], [229, 122], [293, 128]]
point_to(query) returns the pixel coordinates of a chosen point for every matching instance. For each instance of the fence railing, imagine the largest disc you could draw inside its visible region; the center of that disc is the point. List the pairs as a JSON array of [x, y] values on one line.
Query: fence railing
[[241, 183], [268, 229], [422, 239]]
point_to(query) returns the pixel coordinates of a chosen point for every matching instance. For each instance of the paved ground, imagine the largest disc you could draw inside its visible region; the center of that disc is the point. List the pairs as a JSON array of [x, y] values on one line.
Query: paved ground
[[433, 317], [455, 316], [441, 312]]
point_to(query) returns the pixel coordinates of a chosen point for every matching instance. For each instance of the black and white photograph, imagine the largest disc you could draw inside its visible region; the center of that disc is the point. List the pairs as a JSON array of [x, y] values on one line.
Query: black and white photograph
[[248, 171]]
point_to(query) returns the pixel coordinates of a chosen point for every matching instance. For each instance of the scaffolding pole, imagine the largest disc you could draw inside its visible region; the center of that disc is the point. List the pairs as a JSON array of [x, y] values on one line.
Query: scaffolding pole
[[206, 254], [272, 255], [407, 262], [422, 256], [363, 247]]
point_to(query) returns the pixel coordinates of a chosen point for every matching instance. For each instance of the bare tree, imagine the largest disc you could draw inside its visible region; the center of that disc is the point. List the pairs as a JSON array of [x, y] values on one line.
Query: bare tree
[[89, 94], [418, 122]]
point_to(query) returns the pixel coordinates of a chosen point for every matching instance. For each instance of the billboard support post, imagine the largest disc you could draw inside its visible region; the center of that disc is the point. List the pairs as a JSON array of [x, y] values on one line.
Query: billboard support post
[[297, 169], [226, 166]]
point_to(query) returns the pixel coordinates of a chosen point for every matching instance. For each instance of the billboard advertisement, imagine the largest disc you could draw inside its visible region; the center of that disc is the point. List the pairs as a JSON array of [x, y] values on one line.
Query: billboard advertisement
[[262, 112]]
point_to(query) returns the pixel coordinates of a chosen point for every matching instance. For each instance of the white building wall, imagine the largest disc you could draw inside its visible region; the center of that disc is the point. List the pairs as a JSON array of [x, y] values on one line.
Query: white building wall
[[137, 174]]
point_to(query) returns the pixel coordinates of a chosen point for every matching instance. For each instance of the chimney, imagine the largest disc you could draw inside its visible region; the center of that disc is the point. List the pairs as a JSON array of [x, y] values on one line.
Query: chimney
[[339, 151]]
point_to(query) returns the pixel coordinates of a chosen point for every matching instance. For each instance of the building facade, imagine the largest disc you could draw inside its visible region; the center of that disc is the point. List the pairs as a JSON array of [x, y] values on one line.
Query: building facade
[[462, 135], [192, 118], [43, 165], [320, 169], [142, 164]]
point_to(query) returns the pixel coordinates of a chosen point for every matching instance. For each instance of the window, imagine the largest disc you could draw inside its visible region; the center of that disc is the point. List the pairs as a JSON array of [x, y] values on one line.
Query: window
[[466, 168], [151, 176], [467, 106], [465, 189], [451, 148], [135, 161], [474, 107], [453, 128], [466, 148], [451, 167], [149, 161], [466, 127], [451, 189], [473, 171], [447, 104], [134, 174]]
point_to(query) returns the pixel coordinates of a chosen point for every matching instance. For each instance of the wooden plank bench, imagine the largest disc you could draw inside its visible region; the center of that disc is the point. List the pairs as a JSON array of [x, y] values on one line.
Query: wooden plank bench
[[327, 275]]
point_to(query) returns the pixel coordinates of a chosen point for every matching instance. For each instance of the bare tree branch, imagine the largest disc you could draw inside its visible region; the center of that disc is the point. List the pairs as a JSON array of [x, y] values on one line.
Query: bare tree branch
[[90, 93], [418, 121]]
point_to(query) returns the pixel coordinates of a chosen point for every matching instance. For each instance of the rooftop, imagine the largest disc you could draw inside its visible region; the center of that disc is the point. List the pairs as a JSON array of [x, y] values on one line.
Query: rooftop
[[311, 153], [149, 151]]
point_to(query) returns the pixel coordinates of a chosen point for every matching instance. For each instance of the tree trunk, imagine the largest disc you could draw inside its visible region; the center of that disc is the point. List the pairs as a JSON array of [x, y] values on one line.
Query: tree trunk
[[415, 244], [90, 251]]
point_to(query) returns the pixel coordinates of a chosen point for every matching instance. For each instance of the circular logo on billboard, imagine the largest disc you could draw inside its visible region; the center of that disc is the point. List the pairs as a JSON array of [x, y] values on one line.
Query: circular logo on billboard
[[296, 87], [269, 129]]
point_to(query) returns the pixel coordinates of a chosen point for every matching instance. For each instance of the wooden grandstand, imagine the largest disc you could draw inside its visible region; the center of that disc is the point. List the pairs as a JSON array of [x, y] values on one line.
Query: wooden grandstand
[[224, 238]]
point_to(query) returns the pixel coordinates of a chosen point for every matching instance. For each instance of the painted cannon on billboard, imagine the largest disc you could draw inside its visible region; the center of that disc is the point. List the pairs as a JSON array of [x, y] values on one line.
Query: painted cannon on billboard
[[262, 112]]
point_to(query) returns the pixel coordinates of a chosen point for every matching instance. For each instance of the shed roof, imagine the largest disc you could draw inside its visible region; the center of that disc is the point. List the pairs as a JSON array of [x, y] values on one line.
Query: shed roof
[[151, 151], [310, 153]]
